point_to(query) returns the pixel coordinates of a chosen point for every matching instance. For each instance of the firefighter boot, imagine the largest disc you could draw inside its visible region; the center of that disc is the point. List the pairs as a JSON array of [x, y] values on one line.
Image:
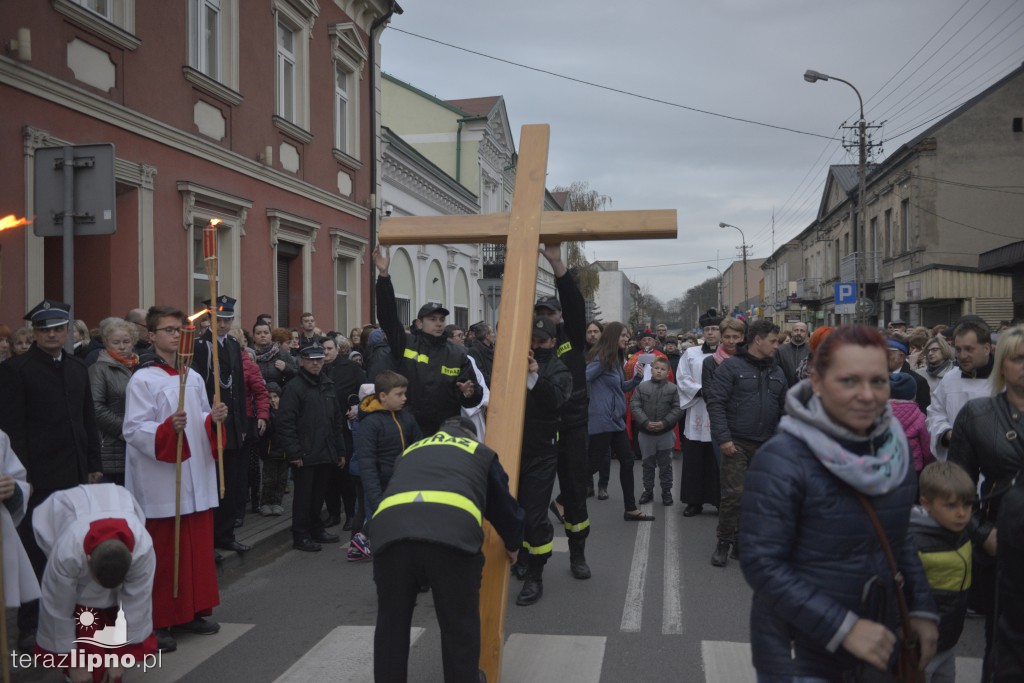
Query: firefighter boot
[[533, 585], [520, 565], [577, 561]]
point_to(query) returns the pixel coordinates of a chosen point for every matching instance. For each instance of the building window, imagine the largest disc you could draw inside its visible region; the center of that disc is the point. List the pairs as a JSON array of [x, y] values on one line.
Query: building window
[[348, 250], [404, 310], [341, 275], [349, 55], [293, 240], [293, 25], [112, 20], [876, 240], [213, 48], [888, 233], [462, 317], [905, 223]]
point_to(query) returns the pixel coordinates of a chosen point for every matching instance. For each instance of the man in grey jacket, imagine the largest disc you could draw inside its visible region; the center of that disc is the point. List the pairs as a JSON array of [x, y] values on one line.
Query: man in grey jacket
[[745, 404], [792, 352]]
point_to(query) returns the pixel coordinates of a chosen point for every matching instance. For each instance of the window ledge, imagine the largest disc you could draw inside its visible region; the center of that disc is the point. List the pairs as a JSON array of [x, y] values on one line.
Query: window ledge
[[346, 160], [293, 131], [211, 86], [97, 24]]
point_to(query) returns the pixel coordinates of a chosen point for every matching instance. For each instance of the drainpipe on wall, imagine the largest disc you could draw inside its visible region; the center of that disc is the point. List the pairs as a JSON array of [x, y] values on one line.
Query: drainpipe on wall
[[458, 152], [376, 28]]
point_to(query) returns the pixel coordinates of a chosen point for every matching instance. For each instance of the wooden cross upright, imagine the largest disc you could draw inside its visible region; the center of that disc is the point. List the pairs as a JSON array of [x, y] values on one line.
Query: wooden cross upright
[[523, 230]]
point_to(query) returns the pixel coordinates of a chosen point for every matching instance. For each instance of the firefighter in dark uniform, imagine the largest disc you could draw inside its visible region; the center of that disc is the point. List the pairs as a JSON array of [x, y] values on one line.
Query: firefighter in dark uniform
[[549, 385], [441, 378], [231, 512], [428, 529], [568, 311], [47, 410]]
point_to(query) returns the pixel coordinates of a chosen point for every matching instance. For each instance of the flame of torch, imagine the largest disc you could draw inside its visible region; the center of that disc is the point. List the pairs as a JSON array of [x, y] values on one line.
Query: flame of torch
[[8, 222]]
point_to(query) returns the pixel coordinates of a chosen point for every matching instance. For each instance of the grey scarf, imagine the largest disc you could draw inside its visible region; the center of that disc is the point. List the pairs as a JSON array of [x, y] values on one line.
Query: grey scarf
[[874, 473]]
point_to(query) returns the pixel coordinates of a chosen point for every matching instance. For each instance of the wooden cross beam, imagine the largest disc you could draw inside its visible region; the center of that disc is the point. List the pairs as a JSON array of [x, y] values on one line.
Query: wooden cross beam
[[523, 230]]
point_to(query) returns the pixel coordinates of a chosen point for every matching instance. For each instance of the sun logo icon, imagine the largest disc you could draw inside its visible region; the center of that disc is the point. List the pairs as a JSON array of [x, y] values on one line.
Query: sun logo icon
[[86, 618]]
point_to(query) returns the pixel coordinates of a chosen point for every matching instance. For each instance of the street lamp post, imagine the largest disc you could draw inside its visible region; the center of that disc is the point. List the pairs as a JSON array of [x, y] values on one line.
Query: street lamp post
[[812, 76], [746, 291], [720, 278]]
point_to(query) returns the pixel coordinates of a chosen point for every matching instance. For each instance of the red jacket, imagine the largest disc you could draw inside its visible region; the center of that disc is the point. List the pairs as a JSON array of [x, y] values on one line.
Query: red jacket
[[257, 400]]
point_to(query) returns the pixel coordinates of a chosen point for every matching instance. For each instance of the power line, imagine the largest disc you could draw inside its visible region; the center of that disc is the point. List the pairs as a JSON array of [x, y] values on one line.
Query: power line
[[666, 265], [609, 88]]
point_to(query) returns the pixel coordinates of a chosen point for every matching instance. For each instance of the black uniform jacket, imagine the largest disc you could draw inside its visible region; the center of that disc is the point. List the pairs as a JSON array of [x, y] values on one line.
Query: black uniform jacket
[[232, 387]]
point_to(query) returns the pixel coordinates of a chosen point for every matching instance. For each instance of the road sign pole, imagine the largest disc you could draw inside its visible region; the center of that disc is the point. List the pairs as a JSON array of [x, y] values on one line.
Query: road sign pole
[[69, 241]]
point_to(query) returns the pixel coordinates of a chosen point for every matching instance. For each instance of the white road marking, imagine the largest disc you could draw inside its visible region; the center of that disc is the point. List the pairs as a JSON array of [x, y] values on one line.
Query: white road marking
[[192, 651], [528, 658], [561, 544], [344, 655], [672, 595], [726, 662], [633, 610]]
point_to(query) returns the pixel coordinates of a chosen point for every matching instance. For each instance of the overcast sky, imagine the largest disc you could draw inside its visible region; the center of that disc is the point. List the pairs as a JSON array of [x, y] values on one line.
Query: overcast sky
[[912, 60]]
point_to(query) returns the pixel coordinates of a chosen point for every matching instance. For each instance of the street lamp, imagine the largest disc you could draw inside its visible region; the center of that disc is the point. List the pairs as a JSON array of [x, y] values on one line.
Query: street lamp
[[720, 278], [812, 76], [490, 287], [746, 291]]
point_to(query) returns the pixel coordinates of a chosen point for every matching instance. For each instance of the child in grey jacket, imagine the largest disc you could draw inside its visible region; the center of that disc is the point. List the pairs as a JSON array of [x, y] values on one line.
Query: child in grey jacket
[[656, 410]]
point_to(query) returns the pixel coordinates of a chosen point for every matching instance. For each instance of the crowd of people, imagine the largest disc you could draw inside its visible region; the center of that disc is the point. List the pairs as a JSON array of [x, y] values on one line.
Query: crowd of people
[[858, 474]]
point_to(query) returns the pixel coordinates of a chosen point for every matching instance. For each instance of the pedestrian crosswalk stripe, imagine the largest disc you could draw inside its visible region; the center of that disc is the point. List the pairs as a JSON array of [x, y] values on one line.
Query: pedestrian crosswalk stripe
[[192, 651], [528, 658], [344, 655], [633, 610], [561, 545], [672, 590], [726, 662]]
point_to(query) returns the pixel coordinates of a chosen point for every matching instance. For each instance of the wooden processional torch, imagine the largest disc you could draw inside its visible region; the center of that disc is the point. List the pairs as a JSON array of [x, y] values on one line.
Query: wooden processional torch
[[210, 257], [186, 351], [6, 223]]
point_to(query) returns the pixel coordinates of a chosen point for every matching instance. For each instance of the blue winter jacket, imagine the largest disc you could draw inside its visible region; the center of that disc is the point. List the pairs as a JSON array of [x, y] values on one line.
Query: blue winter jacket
[[607, 389], [810, 552]]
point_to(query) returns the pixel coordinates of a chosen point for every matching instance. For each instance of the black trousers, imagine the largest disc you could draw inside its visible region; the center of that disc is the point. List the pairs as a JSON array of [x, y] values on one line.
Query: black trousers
[[699, 479], [454, 578], [623, 452], [310, 483], [341, 489], [236, 491], [537, 470], [573, 475]]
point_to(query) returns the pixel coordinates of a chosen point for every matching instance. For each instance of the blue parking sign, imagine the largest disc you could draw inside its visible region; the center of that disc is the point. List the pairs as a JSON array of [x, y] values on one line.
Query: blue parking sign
[[846, 292]]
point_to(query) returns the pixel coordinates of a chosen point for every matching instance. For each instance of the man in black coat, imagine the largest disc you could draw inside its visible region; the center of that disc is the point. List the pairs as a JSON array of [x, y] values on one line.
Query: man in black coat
[[47, 410], [310, 432], [231, 512], [347, 376]]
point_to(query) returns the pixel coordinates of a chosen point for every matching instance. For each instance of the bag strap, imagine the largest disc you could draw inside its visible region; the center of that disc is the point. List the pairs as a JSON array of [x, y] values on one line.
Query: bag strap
[[880, 532]]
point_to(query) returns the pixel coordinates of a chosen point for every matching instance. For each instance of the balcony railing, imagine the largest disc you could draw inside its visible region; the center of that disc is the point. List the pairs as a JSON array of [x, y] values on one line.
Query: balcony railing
[[870, 263], [808, 289], [494, 254]]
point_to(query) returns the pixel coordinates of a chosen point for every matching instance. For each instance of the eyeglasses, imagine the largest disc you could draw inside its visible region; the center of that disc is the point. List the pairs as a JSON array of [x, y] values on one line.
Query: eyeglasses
[[170, 331]]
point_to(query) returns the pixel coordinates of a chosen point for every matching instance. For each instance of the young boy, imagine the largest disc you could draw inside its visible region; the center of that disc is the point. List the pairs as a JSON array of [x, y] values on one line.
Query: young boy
[[275, 464], [655, 408], [943, 532], [386, 429]]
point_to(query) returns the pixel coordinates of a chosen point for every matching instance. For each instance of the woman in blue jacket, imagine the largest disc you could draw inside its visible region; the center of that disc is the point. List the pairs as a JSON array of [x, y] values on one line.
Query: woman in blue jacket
[[606, 426], [825, 606]]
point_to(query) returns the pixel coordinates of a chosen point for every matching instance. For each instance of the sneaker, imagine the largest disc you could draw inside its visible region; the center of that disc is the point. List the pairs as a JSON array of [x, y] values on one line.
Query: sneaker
[[646, 497], [721, 555], [362, 544], [602, 493], [266, 510], [666, 498], [354, 555], [277, 510]]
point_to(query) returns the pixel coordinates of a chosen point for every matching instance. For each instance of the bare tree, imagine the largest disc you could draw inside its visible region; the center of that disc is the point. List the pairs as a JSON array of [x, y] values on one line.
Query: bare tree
[[582, 198]]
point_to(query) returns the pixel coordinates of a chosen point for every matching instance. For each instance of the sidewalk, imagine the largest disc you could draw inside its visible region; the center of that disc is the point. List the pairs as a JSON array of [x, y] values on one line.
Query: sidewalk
[[268, 536]]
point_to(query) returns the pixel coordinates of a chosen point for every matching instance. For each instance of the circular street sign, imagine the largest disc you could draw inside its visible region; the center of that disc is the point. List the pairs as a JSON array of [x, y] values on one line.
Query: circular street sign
[[865, 306]]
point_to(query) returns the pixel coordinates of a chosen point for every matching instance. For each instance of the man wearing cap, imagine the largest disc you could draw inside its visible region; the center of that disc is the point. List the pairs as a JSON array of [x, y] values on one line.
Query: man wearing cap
[[47, 410], [101, 561], [699, 478], [441, 379], [429, 526], [549, 386], [152, 426], [569, 314], [898, 363], [231, 511], [898, 327], [309, 429]]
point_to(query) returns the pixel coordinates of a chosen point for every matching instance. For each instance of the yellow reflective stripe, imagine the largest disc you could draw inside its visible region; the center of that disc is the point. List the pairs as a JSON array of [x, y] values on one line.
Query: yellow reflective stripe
[[451, 372], [949, 570], [439, 497], [577, 527], [564, 349], [539, 549], [418, 357], [445, 439]]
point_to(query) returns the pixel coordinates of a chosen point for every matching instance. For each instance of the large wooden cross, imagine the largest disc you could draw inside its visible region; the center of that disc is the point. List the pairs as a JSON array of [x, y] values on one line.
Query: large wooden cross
[[523, 230]]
